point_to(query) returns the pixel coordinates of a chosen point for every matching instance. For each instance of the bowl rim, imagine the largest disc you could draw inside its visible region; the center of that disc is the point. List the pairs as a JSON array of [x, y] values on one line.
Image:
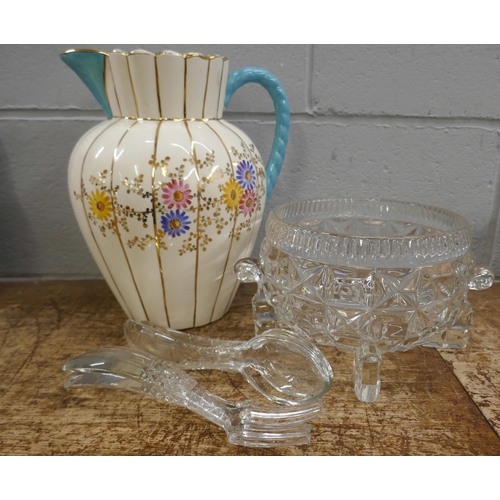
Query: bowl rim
[[405, 251]]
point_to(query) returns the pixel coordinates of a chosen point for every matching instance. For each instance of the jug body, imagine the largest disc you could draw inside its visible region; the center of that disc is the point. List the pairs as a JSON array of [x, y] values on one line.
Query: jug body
[[167, 204]]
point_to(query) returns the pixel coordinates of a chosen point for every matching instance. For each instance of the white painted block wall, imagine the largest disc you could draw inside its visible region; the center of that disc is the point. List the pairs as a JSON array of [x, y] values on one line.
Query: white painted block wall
[[418, 123]]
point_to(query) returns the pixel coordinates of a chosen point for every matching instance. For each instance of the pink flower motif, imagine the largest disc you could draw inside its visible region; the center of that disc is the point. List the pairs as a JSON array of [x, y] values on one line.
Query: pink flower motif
[[247, 203], [177, 194]]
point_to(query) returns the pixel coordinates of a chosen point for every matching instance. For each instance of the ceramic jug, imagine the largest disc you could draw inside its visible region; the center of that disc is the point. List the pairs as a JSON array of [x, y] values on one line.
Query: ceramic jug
[[168, 195]]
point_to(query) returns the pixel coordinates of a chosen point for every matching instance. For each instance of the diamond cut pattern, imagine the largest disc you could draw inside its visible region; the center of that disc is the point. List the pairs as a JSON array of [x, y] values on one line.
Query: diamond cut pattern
[[396, 308]]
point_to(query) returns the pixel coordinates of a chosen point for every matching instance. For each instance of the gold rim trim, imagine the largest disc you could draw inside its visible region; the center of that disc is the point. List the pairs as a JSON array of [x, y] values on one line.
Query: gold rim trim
[[134, 53], [191, 55], [188, 55], [138, 118], [69, 51]]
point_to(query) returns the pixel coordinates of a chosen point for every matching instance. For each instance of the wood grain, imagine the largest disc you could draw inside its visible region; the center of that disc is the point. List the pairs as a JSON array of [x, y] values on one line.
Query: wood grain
[[433, 402], [478, 366]]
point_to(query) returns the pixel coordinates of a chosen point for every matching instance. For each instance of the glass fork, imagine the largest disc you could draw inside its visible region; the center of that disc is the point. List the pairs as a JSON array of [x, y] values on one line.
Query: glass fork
[[246, 423]]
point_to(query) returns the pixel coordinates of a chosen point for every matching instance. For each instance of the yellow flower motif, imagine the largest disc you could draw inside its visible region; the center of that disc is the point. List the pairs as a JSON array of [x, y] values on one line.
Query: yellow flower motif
[[231, 194], [100, 204]]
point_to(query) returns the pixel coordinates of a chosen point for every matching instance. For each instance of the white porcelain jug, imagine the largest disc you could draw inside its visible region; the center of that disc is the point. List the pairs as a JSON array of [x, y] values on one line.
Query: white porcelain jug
[[168, 195]]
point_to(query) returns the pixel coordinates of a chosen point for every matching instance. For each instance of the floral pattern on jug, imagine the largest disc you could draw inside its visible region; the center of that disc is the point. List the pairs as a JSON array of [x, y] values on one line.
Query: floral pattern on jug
[[176, 203], [168, 195]]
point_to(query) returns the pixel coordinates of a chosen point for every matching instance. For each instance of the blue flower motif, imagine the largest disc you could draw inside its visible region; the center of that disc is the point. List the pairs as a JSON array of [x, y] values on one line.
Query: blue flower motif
[[175, 223], [245, 175]]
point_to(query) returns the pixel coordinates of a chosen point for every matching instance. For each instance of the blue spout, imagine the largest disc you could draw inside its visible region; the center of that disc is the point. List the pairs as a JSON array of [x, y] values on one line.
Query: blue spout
[[89, 66]]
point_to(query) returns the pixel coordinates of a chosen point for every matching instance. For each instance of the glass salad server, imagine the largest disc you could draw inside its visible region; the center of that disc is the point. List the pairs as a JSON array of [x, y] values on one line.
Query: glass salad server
[[245, 424], [282, 366]]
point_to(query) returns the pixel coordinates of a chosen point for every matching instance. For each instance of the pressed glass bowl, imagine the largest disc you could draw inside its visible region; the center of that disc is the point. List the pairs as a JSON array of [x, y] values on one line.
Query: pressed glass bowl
[[369, 276]]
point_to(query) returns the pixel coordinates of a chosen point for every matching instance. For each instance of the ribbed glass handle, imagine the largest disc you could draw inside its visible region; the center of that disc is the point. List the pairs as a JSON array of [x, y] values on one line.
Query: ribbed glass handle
[[261, 76]]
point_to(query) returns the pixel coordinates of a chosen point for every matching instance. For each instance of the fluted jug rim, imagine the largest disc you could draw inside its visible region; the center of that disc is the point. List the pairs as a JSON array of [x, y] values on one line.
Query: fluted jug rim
[[186, 55], [165, 85]]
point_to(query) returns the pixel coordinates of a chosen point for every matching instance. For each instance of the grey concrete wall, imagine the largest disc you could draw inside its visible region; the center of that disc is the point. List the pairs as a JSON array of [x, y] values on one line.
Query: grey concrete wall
[[419, 123]]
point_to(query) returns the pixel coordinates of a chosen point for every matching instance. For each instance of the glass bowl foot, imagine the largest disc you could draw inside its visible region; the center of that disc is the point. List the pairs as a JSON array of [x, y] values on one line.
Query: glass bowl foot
[[367, 363]]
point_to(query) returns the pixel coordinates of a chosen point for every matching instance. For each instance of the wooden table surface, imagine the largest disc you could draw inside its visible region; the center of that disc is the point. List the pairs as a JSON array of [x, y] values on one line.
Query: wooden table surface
[[432, 402]]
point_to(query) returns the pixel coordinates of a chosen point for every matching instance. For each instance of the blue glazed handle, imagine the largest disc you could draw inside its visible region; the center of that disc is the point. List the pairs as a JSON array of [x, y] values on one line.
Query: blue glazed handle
[[261, 76]]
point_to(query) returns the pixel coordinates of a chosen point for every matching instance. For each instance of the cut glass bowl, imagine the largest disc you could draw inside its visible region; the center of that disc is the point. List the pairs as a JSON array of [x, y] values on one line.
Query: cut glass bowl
[[369, 277]]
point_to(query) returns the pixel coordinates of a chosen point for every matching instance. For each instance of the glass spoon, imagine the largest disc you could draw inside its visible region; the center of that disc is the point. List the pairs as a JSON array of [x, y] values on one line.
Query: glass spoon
[[281, 365]]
